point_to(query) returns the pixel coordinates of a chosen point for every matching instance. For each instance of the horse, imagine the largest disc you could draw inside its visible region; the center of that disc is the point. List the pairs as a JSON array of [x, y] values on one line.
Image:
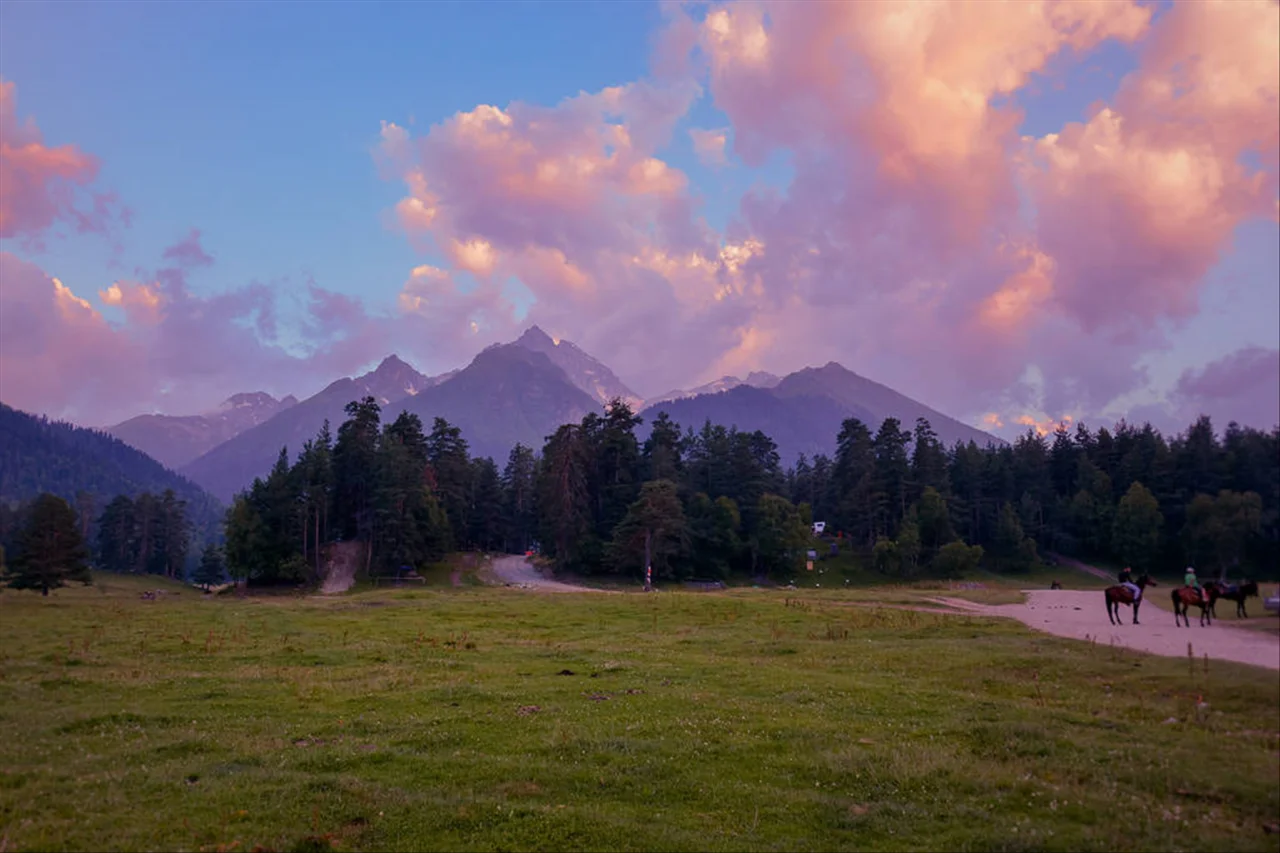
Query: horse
[[1120, 594], [1055, 585], [1186, 597], [1248, 589]]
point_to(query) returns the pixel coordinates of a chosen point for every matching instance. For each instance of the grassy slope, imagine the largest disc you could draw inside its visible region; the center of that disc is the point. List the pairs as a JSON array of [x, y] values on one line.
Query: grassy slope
[[402, 719]]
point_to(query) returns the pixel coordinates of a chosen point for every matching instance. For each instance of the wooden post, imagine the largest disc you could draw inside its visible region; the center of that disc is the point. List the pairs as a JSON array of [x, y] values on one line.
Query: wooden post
[[648, 567]]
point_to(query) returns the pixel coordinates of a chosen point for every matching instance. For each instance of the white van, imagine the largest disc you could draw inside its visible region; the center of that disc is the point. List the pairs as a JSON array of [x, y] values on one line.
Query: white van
[[818, 527]]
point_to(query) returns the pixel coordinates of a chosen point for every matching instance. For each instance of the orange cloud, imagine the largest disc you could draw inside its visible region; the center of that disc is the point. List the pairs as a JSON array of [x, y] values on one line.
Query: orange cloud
[[37, 182]]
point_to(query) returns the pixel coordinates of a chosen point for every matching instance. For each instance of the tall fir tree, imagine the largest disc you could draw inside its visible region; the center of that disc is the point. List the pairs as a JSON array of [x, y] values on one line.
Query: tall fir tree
[[50, 550]]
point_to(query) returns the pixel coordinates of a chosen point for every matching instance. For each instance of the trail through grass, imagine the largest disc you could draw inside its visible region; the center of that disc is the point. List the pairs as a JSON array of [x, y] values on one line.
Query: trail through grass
[[479, 719]]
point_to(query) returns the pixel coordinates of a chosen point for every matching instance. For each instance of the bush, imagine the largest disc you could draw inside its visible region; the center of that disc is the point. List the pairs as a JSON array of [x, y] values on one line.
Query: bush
[[956, 559]]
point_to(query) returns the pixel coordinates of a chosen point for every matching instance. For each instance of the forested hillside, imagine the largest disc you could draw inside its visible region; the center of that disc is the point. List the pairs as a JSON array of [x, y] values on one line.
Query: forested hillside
[[716, 501], [89, 468]]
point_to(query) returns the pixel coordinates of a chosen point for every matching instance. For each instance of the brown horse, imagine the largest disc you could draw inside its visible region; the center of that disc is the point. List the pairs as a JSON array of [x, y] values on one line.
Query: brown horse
[[1248, 589], [1119, 594], [1186, 597]]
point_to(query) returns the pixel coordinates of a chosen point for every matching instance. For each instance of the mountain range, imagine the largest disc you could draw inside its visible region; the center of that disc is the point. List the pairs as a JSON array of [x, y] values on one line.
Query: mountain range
[[175, 440], [521, 392]]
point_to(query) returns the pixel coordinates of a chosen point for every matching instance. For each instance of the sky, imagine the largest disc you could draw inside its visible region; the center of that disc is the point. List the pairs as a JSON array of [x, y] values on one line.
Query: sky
[[1018, 213]]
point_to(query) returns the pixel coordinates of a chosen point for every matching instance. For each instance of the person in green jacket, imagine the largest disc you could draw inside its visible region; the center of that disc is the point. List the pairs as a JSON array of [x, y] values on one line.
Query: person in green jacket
[[1190, 580]]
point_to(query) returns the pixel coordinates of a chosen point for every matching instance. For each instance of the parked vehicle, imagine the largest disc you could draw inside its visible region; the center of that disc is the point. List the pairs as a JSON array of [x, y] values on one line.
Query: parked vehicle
[[1272, 602]]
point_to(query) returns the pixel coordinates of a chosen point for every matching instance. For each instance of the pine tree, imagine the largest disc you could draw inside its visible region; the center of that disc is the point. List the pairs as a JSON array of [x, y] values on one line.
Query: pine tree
[[892, 472], [780, 536], [1136, 534], [519, 509], [563, 496], [412, 529], [355, 468], [653, 528], [451, 465], [714, 535], [852, 483], [662, 450], [485, 522], [50, 549], [210, 572], [117, 536]]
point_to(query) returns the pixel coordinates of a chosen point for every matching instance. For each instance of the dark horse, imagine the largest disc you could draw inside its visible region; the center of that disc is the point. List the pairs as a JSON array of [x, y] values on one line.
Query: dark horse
[[1120, 594], [1186, 597], [1248, 589]]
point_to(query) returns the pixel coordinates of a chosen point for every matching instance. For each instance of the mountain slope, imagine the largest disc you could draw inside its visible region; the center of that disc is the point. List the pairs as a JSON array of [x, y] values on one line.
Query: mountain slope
[[755, 379], [232, 465], [175, 440], [880, 401], [587, 373], [507, 394], [38, 455], [797, 424], [804, 410]]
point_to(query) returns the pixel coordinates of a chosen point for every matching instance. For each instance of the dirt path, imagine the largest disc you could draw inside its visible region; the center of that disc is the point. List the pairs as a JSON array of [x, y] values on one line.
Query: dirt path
[[1081, 615], [518, 571], [340, 574]]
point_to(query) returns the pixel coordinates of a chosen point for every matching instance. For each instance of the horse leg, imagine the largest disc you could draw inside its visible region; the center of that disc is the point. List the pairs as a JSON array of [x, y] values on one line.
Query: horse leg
[[1107, 600], [1135, 610]]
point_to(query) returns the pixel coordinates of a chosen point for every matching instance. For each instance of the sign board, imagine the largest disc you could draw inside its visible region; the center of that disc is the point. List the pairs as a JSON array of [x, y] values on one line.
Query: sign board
[[808, 564]]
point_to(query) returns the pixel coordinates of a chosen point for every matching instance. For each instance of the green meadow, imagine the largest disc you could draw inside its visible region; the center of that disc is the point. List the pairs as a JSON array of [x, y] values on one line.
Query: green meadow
[[482, 718]]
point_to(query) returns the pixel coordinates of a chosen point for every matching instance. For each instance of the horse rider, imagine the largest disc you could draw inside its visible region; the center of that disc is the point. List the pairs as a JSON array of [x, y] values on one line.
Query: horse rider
[[1126, 581], [1190, 580]]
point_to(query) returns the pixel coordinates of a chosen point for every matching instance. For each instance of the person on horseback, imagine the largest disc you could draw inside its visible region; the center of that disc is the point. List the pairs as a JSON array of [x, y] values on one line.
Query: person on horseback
[[1126, 581], [1190, 580]]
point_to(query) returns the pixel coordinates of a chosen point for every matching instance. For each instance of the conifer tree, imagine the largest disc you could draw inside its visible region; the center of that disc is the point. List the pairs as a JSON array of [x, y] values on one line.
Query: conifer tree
[[50, 549], [210, 571]]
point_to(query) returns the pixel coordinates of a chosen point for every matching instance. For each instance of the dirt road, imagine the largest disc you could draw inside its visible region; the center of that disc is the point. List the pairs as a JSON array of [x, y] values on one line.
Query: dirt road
[[1082, 615], [518, 571]]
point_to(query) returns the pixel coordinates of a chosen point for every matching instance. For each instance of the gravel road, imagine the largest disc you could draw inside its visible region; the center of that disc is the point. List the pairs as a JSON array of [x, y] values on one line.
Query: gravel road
[[1082, 615], [518, 571]]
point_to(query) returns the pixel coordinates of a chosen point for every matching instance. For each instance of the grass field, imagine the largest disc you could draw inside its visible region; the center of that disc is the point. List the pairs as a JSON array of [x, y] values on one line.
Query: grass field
[[473, 718]]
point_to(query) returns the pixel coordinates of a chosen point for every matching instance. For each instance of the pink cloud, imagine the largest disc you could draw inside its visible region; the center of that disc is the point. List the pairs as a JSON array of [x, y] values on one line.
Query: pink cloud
[[709, 145], [178, 352], [575, 203], [901, 247], [38, 183]]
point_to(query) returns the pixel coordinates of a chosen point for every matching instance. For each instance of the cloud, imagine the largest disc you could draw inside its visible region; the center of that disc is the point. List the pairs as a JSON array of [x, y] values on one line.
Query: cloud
[[179, 352], [1243, 387], [574, 202], [709, 145], [923, 239], [39, 184], [188, 252]]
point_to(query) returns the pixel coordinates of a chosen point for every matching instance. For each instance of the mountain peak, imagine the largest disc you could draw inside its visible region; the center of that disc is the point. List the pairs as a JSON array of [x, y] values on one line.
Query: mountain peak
[[391, 362], [248, 398], [534, 336], [585, 372]]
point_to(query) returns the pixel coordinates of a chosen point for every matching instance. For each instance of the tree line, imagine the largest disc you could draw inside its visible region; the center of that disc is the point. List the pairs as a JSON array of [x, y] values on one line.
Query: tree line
[[46, 542], [717, 502]]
